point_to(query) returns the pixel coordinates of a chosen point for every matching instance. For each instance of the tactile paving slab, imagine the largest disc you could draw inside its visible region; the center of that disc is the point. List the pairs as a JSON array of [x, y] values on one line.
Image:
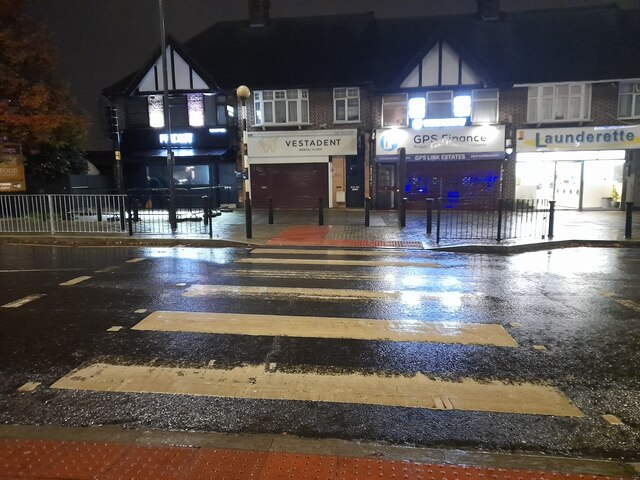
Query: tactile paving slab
[[49, 459]]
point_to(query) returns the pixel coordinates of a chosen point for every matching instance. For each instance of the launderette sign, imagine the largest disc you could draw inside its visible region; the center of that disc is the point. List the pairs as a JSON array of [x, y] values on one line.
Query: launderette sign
[[619, 137], [306, 143], [442, 143]]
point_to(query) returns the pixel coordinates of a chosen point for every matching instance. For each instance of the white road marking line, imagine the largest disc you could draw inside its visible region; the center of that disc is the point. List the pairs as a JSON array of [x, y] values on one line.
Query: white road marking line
[[108, 269], [22, 301], [328, 327], [42, 270], [539, 347], [256, 382], [141, 310], [181, 284], [75, 281], [29, 387], [116, 328], [313, 251], [311, 274], [612, 419], [351, 263], [616, 297], [135, 260], [409, 297]]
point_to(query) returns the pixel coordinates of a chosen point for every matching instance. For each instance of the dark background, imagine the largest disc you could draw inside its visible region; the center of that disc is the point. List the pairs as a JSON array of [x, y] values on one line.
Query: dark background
[[100, 41]]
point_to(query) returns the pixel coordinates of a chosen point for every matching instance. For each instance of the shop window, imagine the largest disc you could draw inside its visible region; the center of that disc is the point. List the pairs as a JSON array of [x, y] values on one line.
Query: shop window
[[281, 107], [346, 105], [484, 106], [394, 110], [559, 103], [629, 102]]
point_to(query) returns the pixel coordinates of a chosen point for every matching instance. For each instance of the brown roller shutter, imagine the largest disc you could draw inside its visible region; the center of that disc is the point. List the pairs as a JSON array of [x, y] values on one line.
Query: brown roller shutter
[[296, 185]]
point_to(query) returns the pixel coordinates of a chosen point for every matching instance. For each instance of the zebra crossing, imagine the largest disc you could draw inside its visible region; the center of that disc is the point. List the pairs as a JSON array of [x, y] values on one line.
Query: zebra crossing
[[278, 382]]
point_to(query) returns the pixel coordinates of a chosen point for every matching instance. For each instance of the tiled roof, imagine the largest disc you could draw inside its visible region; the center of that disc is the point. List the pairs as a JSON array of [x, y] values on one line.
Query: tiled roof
[[599, 43]]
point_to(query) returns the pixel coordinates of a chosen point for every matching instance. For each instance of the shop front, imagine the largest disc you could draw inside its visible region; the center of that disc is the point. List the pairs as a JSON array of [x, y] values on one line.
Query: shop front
[[204, 163], [296, 168], [579, 168], [450, 163]]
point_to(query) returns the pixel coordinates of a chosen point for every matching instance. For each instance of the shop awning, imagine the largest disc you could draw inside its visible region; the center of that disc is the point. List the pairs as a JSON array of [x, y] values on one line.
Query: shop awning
[[177, 153]]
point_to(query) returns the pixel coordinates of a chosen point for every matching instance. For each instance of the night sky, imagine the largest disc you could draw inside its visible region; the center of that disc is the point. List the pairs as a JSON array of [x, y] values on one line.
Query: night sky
[[98, 42]]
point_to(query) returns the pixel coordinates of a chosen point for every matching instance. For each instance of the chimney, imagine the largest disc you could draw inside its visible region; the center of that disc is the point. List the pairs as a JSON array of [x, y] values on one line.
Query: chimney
[[489, 9], [259, 12]]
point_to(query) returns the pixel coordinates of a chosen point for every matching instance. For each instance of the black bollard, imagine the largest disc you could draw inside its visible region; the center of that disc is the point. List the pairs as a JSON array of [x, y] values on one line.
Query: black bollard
[[270, 204], [99, 209], [367, 211], [552, 213], [403, 212], [429, 215], [438, 223], [500, 209], [320, 212], [247, 213], [130, 219], [628, 220], [136, 210]]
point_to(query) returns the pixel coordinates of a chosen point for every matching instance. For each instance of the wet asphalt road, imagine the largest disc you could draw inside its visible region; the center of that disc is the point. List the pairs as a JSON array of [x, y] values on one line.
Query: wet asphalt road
[[582, 305]]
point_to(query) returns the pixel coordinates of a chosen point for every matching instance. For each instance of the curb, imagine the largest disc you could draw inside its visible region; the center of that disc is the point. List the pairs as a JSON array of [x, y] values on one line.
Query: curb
[[285, 443]]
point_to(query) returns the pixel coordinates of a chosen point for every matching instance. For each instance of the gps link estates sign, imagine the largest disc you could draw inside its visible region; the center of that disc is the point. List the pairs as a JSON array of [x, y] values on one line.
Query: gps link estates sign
[[11, 168], [310, 143], [442, 143]]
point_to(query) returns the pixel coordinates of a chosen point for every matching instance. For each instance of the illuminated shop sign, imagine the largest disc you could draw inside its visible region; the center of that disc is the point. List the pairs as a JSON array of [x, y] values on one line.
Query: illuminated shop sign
[[302, 144], [444, 143], [587, 138], [176, 138]]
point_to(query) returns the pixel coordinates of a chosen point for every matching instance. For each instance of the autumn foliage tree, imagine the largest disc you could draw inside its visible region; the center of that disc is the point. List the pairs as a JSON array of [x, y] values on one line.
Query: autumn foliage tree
[[36, 110]]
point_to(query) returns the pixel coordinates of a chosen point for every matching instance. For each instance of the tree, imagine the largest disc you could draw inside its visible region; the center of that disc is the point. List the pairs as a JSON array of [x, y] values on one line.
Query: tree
[[35, 109]]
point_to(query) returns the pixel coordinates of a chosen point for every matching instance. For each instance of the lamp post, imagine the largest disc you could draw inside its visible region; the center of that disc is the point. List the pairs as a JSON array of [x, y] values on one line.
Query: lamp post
[[243, 93], [167, 121]]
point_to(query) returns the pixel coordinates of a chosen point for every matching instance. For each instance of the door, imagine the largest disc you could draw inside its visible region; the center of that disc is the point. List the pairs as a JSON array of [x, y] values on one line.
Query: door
[[567, 185], [290, 185], [386, 186], [355, 182]]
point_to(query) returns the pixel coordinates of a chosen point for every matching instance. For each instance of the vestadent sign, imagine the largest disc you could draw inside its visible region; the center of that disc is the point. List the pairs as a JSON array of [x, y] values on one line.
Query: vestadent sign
[[311, 143]]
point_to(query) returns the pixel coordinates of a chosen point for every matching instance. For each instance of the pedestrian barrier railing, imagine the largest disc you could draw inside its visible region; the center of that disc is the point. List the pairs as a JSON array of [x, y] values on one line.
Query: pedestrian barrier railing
[[492, 219], [61, 213]]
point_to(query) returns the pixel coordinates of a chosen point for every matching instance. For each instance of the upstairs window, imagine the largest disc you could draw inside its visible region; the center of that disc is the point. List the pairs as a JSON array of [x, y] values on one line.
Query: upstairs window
[[484, 106], [439, 104], [394, 110], [559, 103], [346, 105], [281, 107], [629, 101]]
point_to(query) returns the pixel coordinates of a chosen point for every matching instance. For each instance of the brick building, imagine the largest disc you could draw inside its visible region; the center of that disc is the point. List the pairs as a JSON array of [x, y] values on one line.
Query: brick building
[[541, 104]]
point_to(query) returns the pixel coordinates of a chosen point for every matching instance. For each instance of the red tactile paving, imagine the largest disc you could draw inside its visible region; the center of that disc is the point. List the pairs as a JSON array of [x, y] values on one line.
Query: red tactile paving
[[316, 236], [47, 459]]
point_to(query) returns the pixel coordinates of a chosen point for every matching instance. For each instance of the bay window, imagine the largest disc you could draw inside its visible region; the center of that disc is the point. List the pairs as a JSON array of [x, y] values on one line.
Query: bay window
[[559, 103], [281, 107], [629, 101]]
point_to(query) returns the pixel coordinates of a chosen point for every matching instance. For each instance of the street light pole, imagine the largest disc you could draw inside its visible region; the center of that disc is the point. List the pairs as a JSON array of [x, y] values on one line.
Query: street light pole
[[167, 121], [243, 93]]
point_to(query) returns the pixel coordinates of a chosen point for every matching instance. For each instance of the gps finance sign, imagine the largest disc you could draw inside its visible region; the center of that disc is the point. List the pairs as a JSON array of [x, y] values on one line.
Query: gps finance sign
[[313, 143], [443, 143]]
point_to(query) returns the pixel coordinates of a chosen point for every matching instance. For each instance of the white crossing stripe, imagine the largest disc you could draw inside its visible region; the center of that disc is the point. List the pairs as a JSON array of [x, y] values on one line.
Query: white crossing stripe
[[76, 280], [328, 327], [327, 275], [135, 260], [22, 301], [410, 297], [351, 263], [313, 251], [256, 382]]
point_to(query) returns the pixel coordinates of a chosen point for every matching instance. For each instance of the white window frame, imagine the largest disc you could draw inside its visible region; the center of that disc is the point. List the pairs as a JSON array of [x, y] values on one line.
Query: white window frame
[[538, 95], [635, 98], [395, 103], [296, 107], [342, 96], [475, 102], [432, 102]]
